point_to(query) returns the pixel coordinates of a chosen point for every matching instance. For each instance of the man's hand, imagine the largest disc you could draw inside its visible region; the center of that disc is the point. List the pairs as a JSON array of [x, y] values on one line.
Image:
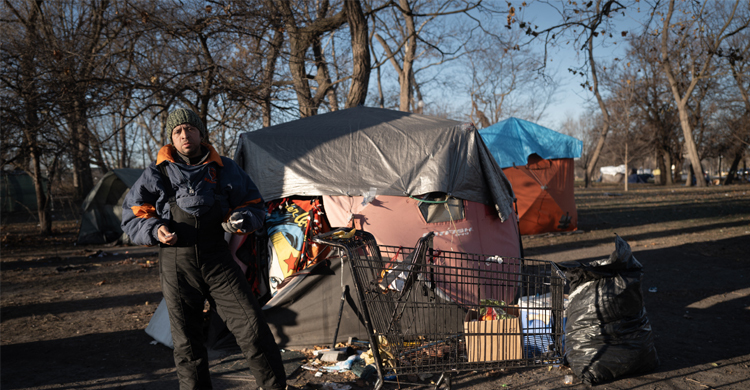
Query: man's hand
[[234, 225], [165, 236]]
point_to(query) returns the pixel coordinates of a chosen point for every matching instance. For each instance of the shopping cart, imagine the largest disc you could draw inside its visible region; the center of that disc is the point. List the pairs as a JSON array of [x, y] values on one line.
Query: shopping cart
[[429, 311]]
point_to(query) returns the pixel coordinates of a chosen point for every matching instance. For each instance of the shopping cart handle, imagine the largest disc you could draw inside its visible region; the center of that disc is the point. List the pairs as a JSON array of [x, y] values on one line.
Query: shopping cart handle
[[337, 234]]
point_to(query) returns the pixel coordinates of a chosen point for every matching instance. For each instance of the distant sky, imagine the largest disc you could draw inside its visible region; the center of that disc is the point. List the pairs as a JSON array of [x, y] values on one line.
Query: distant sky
[[573, 100]]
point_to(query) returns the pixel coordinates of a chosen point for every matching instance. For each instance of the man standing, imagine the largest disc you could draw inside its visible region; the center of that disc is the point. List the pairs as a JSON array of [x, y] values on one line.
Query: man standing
[[182, 201]]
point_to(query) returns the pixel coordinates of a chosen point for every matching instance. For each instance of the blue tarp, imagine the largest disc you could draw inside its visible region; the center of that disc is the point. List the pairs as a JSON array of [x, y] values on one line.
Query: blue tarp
[[513, 140]]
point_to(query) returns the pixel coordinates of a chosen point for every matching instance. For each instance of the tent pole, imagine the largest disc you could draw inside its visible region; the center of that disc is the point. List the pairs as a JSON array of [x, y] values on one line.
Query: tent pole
[[341, 310], [518, 226]]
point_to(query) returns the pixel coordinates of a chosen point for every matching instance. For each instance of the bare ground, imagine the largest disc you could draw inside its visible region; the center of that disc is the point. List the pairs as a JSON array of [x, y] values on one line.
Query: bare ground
[[73, 317]]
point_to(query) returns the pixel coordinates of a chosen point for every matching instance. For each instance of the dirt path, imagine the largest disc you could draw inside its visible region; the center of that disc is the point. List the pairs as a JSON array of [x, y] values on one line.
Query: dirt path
[[74, 317]]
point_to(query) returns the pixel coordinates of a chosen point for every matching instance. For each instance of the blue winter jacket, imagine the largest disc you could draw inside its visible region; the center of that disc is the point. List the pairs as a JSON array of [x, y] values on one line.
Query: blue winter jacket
[[146, 206]]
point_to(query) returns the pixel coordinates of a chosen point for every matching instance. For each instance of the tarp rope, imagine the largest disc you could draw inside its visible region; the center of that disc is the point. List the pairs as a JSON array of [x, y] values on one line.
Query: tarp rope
[[430, 201], [450, 215], [453, 223], [531, 171]]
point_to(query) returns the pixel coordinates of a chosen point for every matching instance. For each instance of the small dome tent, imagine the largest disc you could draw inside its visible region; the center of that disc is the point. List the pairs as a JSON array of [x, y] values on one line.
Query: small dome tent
[[17, 191], [102, 208], [539, 164]]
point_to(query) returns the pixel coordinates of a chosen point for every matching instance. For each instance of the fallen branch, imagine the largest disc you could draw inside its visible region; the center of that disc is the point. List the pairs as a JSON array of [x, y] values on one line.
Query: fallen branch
[[701, 384]]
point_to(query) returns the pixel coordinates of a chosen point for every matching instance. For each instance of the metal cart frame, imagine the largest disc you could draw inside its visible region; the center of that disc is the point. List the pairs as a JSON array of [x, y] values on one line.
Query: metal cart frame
[[423, 308]]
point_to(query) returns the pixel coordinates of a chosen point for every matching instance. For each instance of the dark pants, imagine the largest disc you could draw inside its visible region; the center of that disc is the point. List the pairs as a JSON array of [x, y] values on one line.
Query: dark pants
[[198, 266]]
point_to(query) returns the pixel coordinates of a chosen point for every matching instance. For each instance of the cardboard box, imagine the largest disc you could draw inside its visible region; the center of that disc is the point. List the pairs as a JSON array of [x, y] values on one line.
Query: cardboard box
[[495, 340]]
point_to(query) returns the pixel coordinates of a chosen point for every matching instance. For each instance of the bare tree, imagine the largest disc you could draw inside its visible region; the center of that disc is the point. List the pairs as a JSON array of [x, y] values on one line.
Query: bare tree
[[585, 129], [272, 54], [652, 100], [585, 24], [304, 32], [629, 142], [593, 25], [249, 75], [408, 41], [306, 25], [738, 119], [503, 80], [22, 99], [700, 37], [82, 40], [360, 42], [409, 24], [207, 60]]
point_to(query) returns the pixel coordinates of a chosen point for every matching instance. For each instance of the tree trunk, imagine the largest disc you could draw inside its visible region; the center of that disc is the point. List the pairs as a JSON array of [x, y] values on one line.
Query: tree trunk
[[481, 117], [676, 175], [419, 104], [96, 151], [597, 151], [662, 168], [732, 173], [410, 49], [322, 77], [627, 175], [123, 163], [272, 55], [42, 206], [605, 113], [740, 147], [45, 220], [265, 108], [692, 150], [31, 120], [46, 226], [682, 97], [85, 176], [298, 44], [82, 158], [361, 65], [300, 39], [381, 97]]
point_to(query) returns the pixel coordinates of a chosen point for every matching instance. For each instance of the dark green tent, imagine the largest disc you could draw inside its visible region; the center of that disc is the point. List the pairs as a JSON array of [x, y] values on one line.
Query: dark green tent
[[17, 192], [102, 208]]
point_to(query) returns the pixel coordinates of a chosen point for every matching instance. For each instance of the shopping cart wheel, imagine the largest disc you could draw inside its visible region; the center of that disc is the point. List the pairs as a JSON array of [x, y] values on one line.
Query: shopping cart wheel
[[444, 383]]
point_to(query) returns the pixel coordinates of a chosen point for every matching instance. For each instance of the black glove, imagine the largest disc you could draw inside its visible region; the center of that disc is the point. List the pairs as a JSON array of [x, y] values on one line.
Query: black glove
[[234, 225]]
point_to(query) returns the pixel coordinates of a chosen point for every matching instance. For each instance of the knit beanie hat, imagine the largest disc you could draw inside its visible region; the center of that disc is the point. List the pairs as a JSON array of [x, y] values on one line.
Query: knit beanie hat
[[183, 116]]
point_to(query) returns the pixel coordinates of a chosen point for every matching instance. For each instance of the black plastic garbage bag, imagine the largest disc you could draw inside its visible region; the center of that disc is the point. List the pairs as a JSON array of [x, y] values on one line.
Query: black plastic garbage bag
[[607, 333]]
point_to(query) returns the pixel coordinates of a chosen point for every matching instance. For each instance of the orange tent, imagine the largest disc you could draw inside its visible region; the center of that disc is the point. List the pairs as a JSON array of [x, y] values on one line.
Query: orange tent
[[538, 162], [544, 195]]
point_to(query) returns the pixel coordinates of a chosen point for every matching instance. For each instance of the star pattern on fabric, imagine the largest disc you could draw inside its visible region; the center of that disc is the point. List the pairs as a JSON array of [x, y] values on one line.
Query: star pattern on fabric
[[290, 262]]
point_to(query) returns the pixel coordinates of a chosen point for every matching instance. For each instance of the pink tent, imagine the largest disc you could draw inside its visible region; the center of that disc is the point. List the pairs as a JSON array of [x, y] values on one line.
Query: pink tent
[[394, 174]]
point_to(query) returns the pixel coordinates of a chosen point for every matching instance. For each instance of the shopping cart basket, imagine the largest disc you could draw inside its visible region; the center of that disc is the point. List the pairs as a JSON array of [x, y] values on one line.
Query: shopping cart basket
[[433, 311]]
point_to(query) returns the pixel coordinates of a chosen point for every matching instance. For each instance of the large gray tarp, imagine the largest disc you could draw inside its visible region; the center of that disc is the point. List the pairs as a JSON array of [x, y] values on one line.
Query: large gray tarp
[[349, 152]]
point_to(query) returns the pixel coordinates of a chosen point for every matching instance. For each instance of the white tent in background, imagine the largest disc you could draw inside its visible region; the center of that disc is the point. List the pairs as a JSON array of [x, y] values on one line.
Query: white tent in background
[[613, 174]]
